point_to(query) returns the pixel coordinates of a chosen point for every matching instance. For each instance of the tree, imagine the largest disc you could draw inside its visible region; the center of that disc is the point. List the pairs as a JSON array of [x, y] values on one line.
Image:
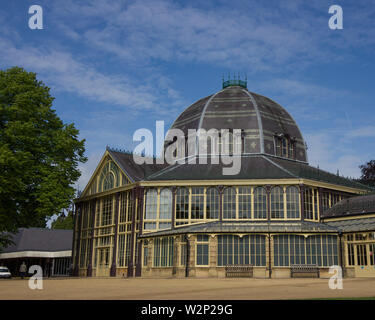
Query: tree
[[39, 154], [64, 221], [368, 173]]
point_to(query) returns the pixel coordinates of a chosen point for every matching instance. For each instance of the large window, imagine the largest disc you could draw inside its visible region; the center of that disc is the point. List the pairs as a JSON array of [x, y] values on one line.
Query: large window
[[121, 250], [292, 203], [151, 204], [308, 204], [165, 204], [325, 201], [83, 254], [151, 209], [202, 250], [183, 252], [361, 249], [182, 206], [106, 211], [158, 217], [277, 203], [229, 203], [212, 203], [197, 203], [145, 253], [361, 254], [293, 249], [244, 203], [163, 252], [260, 203], [249, 249]]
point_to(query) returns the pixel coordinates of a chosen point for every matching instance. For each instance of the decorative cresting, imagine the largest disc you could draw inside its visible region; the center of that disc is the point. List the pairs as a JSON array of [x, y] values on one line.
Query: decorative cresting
[[235, 81], [267, 128]]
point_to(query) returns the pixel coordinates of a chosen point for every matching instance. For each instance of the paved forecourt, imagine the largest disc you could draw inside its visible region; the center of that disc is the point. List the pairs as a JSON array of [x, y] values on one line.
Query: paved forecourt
[[173, 289]]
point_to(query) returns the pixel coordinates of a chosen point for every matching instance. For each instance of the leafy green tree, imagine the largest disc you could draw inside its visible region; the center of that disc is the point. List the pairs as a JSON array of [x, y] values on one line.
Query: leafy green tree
[[39, 154], [64, 221], [368, 173]]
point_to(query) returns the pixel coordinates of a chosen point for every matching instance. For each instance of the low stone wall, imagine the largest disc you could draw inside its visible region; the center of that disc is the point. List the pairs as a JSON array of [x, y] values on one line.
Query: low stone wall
[[121, 272], [82, 272]]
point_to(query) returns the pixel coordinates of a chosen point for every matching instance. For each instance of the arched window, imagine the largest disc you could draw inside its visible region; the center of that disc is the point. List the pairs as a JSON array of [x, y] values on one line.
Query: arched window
[[260, 203], [292, 202], [244, 203], [165, 204], [277, 203], [229, 203], [109, 177], [284, 147], [108, 181], [212, 203], [182, 204], [151, 204]]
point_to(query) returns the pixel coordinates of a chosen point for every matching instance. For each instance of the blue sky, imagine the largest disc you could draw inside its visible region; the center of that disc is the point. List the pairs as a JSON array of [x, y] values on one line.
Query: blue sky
[[116, 66]]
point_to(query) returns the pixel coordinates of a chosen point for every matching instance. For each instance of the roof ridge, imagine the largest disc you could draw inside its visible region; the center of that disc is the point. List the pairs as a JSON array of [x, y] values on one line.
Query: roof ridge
[[259, 119], [279, 166]]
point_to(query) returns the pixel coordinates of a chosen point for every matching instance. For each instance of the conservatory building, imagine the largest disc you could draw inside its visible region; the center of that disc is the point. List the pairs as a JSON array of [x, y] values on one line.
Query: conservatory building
[[188, 219]]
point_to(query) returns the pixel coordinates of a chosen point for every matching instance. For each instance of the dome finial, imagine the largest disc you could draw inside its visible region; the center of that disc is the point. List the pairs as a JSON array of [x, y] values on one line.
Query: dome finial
[[235, 81]]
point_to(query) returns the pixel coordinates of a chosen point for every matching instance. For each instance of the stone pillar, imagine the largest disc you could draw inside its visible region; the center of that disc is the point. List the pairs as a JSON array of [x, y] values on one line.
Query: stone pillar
[[114, 247], [213, 255], [176, 253], [91, 253], [190, 266]]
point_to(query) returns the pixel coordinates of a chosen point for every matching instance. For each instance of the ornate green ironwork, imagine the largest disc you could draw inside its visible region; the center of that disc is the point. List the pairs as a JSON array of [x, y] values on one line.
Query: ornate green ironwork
[[230, 83]]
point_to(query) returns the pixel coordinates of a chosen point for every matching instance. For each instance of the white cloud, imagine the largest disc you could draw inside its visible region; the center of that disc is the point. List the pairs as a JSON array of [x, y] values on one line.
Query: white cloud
[[68, 74], [223, 35], [339, 149], [363, 132]]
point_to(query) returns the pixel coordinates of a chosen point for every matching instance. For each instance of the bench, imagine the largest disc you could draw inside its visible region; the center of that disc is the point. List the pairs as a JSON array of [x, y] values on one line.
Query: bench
[[239, 271], [304, 270]]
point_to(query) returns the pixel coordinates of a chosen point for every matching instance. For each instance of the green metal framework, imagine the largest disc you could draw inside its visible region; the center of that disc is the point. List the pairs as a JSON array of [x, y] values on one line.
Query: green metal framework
[[230, 83]]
